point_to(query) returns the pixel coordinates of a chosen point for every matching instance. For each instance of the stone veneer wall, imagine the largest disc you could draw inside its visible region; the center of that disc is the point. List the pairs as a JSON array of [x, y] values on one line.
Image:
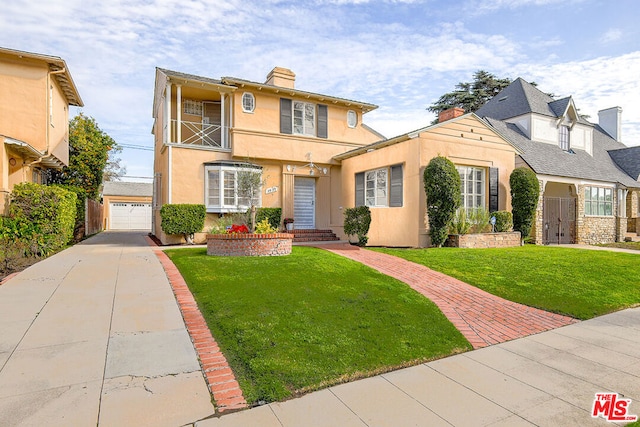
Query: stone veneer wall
[[538, 221], [246, 244], [484, 240], [597, 229]]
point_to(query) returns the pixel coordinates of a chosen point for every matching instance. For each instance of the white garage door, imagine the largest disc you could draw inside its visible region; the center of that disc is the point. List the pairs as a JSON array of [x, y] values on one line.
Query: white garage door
[[130, 216]]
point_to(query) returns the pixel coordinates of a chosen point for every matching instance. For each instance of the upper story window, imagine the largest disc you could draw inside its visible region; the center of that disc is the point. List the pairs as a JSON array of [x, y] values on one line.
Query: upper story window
[[303, 118], [472, 187], [380, 187], [598, 201], [248, 102], [564, 137], [193, 107], [352, 119]]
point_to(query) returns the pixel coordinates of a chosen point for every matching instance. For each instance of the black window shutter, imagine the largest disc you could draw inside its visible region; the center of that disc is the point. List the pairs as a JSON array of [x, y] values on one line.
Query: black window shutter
[[493, 189], [360, 189], [323, 131], [395, 191], [286, 122]]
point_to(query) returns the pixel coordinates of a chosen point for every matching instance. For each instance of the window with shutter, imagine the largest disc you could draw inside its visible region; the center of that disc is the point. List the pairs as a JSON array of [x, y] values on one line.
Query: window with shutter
[[360, 189], [493, 190], [395, 190], [322, 122], [286, 122]]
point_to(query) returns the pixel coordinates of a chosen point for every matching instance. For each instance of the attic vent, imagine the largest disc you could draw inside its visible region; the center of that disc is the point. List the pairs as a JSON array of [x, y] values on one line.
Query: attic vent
[[503, 98]]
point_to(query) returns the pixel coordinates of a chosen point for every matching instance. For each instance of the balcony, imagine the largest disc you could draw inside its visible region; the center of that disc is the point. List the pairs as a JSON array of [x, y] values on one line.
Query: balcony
[[199, 134]]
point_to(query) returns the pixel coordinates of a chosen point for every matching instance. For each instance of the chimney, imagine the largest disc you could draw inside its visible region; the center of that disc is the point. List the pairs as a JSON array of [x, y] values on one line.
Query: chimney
[[611, 121], [449, 114], [282, 77]]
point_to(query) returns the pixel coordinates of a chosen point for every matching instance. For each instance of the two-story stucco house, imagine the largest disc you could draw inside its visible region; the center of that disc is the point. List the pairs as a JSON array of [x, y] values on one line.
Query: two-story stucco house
[[588, 178], [35, 94], [208, 130]]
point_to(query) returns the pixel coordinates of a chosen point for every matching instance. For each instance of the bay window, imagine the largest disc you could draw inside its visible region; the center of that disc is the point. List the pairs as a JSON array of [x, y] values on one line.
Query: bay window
[[221, 187]]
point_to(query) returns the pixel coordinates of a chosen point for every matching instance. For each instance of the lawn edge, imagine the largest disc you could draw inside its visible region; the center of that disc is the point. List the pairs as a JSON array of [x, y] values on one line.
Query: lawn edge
[[216, 370]]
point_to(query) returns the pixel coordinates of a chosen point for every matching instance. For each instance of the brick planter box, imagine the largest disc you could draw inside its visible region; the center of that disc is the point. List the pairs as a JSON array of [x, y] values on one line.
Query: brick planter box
[[246, 244], [484, 240]]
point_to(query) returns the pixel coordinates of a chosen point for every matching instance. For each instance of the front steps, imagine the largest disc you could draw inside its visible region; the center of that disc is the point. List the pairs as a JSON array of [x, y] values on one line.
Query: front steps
[[313, 236]]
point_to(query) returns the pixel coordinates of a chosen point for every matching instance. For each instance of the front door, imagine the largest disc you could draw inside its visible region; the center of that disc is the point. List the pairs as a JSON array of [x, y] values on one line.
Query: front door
[[304, 203], [559, 220]]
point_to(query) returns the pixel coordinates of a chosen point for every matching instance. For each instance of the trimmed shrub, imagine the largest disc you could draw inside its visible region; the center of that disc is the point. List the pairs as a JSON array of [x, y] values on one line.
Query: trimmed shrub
[[504, 221], [273, 215], [525, 191], [442, 186], [48, 211], [81, 195], [357, 221], [183, 219], [14, 241]]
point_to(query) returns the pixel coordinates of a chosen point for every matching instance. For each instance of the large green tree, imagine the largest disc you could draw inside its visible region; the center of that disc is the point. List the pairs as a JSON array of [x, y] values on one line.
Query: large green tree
[[471, 95], [89, 162]]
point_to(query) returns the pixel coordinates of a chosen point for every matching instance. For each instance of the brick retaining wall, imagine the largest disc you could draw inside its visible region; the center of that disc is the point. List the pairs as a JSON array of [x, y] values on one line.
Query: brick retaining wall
[[484, 240], [245, 244]]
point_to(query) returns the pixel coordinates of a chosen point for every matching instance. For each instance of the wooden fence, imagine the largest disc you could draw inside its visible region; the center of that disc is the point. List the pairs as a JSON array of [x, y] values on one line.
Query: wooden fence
[[94, 217]]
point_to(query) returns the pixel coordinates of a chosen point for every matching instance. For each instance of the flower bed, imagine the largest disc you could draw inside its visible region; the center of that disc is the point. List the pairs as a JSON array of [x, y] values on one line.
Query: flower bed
[[484, 240], [248, 244]]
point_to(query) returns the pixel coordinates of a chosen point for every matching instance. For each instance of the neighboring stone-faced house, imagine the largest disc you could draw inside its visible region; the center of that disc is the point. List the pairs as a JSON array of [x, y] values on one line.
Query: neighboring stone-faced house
[[35, 94], [588, 178], [127, 205], [208, 131], [387, 176]]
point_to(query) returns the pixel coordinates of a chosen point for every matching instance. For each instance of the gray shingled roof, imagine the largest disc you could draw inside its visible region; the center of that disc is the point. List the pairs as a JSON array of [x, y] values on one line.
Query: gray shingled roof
[[628, 159], [550, 159], [139, 189]]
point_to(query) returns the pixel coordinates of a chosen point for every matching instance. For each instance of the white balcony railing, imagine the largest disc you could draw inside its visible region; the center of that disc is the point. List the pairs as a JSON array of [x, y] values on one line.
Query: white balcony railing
[[199, 134]]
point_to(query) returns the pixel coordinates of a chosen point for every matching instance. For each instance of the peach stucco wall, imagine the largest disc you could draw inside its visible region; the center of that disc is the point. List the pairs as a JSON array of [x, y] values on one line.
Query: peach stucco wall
[[465, 141]]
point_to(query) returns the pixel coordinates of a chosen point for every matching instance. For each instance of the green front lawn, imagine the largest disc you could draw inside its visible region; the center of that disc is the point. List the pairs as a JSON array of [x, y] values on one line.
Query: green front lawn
[[312, 319], [579, 283]]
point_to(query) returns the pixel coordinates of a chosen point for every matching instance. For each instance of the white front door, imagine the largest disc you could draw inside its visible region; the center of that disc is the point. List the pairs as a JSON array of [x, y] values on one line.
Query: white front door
[[304, 203]]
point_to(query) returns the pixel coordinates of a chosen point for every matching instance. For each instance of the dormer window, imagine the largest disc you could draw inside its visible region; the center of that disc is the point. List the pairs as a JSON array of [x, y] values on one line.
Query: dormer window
[[564, 137]]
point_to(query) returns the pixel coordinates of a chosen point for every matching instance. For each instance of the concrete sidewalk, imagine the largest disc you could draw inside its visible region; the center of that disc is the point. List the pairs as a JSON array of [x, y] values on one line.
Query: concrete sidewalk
[[93, 336], [549, 379]]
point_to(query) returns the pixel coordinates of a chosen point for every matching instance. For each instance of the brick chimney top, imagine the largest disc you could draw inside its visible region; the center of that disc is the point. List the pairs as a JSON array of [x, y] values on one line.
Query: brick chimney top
[[449, 114], [282, 77]]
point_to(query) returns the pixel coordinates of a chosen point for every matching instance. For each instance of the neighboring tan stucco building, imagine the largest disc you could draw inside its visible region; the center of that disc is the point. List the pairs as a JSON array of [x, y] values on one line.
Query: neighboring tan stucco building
[[207, 130], [35, 94], [483, 158]]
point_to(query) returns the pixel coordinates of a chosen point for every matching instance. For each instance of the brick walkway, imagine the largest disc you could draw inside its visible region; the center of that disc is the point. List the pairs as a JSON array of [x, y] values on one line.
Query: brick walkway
[[483, 319], [220, 378]]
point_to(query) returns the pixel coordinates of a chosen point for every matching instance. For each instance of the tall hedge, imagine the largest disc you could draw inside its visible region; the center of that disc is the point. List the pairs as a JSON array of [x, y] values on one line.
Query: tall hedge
[[183, 219], [442, 187], [273, 215], [49, 212], [525, 192]]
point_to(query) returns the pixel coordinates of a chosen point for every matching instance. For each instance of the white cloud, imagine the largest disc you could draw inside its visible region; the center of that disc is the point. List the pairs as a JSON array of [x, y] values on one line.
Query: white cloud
[[612, 35]]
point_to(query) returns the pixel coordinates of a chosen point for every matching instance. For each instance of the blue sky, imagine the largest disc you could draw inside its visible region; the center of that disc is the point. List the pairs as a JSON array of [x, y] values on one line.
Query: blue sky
[[401, 55]]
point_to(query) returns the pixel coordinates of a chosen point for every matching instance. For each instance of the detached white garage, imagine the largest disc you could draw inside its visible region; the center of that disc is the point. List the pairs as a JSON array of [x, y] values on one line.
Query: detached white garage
[[127, 205]]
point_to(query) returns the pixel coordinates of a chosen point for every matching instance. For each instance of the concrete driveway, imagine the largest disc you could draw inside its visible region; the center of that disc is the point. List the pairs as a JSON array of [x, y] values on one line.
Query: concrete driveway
[[93, 336]]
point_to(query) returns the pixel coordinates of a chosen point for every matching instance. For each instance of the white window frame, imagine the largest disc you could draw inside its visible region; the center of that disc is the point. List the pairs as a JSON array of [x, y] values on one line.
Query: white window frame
[[600, 201], [222, 206], [302, 123], [352, 119], [248, 102], [376, 190], [564, 137], [469, 188]]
